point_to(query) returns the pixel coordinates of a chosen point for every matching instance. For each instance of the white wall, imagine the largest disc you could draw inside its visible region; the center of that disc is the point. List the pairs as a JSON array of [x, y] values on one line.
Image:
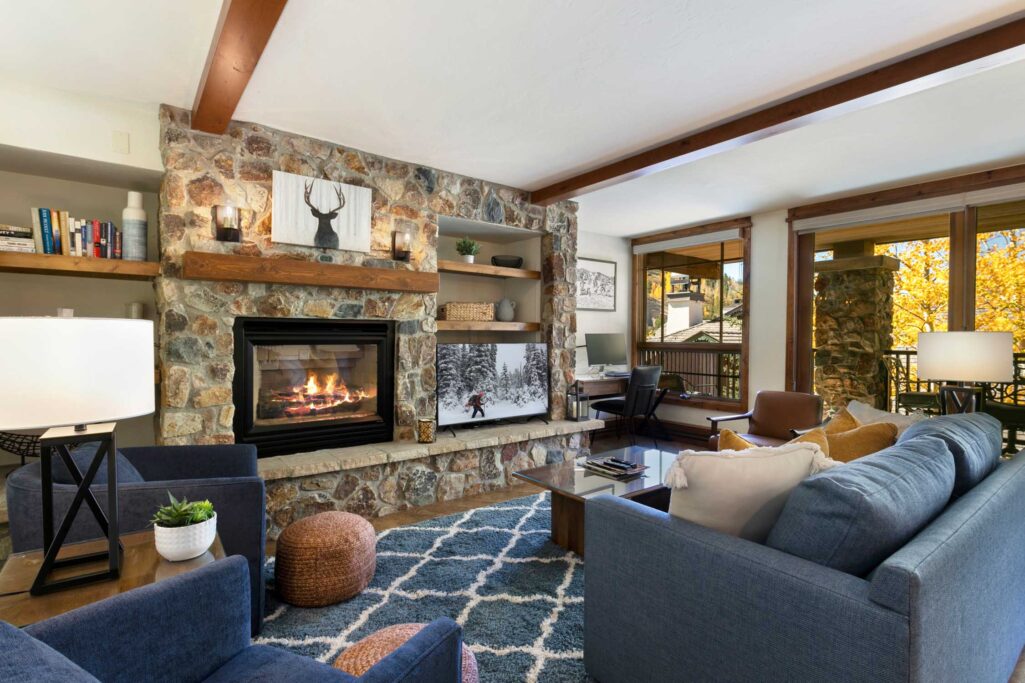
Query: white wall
[[605, 248], [767, 319], [79, 125]]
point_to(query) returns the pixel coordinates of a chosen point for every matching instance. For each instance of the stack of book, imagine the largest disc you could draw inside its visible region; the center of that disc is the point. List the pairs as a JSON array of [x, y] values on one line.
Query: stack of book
[[614, 468], [55, 232], [16, 238]]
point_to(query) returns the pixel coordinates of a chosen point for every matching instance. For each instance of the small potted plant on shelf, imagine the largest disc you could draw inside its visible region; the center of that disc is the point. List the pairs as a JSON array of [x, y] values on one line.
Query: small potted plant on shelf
[[467, 248], [184, 530]]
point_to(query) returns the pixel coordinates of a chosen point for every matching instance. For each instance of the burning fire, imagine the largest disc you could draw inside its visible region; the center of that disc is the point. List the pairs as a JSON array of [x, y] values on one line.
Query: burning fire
[[319, 395]]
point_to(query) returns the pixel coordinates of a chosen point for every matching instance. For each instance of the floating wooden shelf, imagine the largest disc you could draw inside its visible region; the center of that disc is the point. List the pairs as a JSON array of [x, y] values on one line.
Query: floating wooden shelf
[[487, 270], [198, 265], [485, 326], [53, 264]]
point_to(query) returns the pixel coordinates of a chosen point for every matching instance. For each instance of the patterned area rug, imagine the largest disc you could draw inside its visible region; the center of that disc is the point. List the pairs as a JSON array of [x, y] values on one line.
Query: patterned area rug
[[518, 597]]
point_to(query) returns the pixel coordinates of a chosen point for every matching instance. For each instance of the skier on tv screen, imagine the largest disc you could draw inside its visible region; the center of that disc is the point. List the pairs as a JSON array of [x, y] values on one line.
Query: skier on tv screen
[[476, 401]]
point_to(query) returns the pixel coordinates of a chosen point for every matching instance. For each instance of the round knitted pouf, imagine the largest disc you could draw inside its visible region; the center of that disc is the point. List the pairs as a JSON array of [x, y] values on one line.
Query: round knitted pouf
[[358, 659], [324, 559]]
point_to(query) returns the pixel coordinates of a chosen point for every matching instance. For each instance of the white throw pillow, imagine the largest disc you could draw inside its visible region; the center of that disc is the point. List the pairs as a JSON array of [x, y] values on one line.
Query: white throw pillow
[[740, 493], [866, 414]]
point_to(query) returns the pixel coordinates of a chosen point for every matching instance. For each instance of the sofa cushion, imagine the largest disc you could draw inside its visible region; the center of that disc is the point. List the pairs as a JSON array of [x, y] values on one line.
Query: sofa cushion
[[27, 659], [739, 492], [851, 518], [83, 457], [974, 439], [266, 663], [816, 436], [866, 415], [861, 441], [843, 421]]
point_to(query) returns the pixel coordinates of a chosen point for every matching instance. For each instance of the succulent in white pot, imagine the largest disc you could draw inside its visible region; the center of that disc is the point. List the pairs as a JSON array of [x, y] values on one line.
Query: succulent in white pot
[[184, 530], [468, 249]]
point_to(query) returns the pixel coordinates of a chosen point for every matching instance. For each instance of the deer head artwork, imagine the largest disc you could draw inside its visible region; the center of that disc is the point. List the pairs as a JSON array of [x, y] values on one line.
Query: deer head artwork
[[326, 237]]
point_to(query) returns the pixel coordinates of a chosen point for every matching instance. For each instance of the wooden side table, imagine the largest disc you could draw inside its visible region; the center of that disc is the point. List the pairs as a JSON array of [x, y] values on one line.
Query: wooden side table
[[141, 566]]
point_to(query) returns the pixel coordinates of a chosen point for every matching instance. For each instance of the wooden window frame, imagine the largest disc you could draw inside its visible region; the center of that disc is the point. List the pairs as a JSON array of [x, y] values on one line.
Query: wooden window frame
[[963, 236], [639, 307]]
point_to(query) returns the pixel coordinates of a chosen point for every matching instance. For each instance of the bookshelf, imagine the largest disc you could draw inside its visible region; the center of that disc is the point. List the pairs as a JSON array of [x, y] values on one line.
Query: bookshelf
[[51, 264], [486, 326], [486, 270]]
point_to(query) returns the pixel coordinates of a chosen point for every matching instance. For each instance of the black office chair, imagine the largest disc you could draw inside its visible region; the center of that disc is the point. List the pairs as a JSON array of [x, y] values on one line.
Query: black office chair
[[640, 396]]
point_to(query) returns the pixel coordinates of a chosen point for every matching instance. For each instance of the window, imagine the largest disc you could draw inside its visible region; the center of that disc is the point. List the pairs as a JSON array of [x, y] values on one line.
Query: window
[[693, 316]]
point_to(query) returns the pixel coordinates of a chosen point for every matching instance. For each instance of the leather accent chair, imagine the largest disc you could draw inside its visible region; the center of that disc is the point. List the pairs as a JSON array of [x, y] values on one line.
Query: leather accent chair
[[774, 415]]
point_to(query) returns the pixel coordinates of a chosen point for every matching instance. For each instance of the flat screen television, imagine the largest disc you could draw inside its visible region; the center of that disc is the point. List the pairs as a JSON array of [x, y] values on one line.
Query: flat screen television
[[485, 382]]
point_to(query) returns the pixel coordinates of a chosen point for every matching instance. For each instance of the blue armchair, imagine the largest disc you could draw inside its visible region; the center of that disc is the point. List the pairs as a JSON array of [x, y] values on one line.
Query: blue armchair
[[226, 475], [194, 627]]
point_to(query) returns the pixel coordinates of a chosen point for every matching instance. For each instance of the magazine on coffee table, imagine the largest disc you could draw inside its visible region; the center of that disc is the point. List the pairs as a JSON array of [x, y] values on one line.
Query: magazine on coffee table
[[614, 468]]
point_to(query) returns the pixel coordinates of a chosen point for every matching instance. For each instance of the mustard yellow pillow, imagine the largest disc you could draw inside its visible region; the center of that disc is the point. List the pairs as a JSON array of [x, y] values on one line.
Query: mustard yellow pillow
[[729, 440], [863, 440], [843, 421], [815, 436]]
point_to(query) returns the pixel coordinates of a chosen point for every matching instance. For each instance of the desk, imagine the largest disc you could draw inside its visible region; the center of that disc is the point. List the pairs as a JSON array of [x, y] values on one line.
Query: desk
[[603, 387], [141, 566]]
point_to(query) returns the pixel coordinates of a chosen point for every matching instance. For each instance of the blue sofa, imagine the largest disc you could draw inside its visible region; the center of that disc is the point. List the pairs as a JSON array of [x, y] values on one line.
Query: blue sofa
[[226, 475], [195, 627], [930, 535]]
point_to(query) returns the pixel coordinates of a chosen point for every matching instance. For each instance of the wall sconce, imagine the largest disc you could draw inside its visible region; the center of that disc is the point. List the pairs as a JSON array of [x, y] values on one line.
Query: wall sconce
[[401, 244], [227, 227]]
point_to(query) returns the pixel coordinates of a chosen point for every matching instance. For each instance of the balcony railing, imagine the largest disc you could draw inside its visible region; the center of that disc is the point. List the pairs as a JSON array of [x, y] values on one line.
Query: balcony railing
[[711, 372], [1012, 393]]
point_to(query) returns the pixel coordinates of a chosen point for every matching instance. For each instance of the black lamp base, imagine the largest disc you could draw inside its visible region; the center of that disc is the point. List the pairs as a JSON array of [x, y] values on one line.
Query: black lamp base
[[57, 440], [956, 400]]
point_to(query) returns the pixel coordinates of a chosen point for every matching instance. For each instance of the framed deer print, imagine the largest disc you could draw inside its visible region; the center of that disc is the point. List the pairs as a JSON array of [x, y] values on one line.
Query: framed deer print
[[314, 212]]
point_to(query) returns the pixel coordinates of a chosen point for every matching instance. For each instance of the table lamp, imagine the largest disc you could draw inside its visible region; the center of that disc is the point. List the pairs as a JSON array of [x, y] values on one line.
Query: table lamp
[[974, 357], [75, 377]]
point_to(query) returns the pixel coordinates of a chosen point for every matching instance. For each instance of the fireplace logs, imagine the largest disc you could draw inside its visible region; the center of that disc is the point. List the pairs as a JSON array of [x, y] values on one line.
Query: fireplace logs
[[317, 397]]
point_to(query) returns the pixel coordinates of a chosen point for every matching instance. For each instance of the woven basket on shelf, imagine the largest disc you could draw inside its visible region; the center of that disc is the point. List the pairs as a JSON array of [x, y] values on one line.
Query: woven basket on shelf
[[359, 658], [324, 559], [467, 310]]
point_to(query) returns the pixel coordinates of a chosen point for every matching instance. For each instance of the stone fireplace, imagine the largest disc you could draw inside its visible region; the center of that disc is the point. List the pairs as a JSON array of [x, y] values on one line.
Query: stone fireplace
[[198, 348], [302, 384]]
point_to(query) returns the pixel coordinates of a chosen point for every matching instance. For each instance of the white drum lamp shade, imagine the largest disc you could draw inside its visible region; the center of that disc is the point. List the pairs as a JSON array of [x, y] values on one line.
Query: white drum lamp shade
[[966, 356], [74, 371]]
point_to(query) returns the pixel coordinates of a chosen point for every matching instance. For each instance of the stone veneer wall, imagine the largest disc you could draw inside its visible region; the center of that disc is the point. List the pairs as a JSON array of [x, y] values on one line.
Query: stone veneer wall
[[381, 489], [853, 326], [195, 337]]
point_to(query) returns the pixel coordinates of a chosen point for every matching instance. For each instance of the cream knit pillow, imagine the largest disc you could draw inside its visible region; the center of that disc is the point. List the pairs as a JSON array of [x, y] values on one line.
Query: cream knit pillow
[[740, 493]]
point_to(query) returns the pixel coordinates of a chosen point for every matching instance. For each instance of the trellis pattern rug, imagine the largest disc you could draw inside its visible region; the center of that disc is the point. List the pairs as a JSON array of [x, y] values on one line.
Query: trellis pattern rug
[[518, 597]]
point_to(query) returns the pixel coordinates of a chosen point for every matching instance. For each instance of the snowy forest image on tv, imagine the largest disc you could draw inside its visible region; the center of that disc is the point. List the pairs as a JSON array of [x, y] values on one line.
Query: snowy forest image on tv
[[483, 382]]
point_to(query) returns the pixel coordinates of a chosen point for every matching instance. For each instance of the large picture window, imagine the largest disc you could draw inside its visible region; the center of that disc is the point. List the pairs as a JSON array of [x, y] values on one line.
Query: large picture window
[[692, 310]]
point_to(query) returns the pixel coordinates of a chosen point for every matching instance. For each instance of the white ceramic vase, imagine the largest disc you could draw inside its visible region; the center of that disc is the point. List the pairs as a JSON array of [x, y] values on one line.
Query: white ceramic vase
[[468, 257], [185, 542]]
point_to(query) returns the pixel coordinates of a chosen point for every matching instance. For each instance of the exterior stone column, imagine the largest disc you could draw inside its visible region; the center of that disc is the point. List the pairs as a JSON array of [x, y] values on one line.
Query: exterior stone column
[[853, 326]]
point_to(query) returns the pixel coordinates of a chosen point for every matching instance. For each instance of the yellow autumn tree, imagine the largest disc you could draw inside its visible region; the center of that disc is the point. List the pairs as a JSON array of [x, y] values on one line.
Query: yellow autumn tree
[[919, 289], [1000, 284], [921, 285]]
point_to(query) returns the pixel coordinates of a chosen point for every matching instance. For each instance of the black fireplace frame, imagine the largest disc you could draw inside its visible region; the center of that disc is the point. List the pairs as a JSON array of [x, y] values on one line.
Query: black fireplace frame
[[284, 439]]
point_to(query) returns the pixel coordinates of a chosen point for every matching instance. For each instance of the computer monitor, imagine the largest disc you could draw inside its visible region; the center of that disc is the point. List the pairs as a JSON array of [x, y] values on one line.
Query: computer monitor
[[606, 349]]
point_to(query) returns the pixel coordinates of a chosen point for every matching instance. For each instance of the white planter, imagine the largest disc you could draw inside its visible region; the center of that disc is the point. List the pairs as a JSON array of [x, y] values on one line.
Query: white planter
[[185, 542], [468, 257]]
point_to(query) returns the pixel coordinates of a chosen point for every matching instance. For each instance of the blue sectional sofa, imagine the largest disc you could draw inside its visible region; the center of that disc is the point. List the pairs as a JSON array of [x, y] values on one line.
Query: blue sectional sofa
[[195, 627], [906, 565], [226, 475]]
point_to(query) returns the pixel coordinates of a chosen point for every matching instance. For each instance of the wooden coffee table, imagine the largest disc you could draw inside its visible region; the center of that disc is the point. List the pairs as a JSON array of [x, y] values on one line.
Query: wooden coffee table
[[141, 566], [571, 485]]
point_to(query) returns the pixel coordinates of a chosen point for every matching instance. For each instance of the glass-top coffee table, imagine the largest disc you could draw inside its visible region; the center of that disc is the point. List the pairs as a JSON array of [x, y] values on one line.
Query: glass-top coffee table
[[571, 485]]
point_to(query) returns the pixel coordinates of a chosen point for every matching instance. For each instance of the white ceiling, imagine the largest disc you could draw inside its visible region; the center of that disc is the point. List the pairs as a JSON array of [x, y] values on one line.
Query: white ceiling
[[525, 92], [150, 51], [967, 125]]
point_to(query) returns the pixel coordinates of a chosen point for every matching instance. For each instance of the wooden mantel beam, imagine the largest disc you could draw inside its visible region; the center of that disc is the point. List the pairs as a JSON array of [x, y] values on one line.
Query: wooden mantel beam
[[946, 63], [242, 33]]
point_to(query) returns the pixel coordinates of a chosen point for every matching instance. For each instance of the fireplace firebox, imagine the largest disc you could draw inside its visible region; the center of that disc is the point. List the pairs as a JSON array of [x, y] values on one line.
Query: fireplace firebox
[[304, 384]]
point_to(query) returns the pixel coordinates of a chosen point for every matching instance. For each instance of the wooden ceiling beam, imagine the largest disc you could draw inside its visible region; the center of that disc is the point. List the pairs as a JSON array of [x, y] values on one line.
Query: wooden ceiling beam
[[946, 63], [242, 33]]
